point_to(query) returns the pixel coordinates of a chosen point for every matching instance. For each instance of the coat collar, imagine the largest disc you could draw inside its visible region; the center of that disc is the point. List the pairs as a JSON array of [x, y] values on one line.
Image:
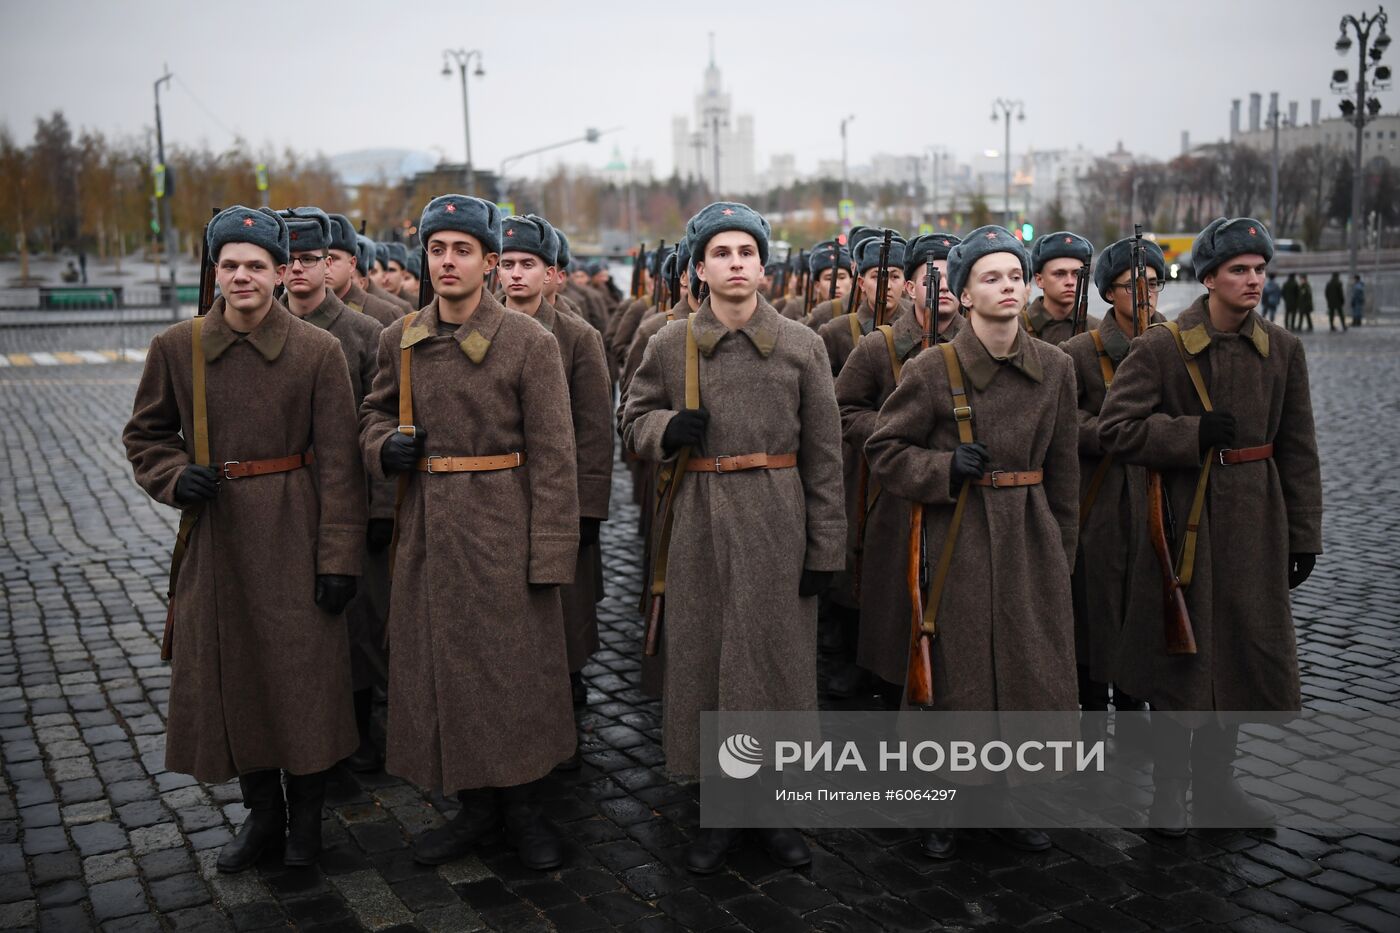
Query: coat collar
[[1197, 332], [1116, 343], [761, 329], [326, 312], [474, 337], [354, 297], [981, 367], [268, 338], [909, 337]]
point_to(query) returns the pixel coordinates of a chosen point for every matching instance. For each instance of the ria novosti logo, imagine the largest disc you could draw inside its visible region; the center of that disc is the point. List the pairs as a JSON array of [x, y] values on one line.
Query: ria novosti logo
[[740, 756]]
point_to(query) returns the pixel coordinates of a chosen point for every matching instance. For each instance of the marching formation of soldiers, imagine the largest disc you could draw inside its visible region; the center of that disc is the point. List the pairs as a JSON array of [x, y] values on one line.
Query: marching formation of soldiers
[[422, 443]]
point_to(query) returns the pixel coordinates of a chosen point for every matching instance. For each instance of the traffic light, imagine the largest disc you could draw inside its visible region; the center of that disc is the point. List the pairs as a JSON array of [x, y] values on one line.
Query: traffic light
[[1027, 233]]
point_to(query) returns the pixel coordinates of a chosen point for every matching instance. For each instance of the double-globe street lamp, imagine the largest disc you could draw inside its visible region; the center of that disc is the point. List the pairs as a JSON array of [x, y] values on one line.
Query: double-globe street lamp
[[1002, 109], [1363, 109], [463, 57]]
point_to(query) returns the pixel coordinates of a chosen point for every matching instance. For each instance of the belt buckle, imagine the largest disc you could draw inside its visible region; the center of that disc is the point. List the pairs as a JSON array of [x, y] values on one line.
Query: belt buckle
[[962, 413], [519, 458], [719, 467], [223, 470], [995, 474], [1220, 455], [430, 463]]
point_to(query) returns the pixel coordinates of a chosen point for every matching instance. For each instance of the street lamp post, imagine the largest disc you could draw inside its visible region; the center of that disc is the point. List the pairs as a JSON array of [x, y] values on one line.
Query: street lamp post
[[1276, 119], [590, 135], [462, 57], [936, 155], [845, 188], [167, 191], [1363, 109], [1002, 109]]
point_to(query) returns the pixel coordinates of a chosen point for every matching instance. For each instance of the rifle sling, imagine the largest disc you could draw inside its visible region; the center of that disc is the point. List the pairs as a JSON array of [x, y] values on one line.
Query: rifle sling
[[668, 499], [962, 414], [188, 517], [854, 321], [405, 427], [1101, 471], [1186, 557], [897, 369]]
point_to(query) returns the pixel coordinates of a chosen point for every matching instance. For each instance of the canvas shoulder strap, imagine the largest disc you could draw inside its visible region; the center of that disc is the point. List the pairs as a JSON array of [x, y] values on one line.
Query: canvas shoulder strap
[[854, 321], [1026, 322], [896, 367], [962, 414], [1186, 558], [190, 516]]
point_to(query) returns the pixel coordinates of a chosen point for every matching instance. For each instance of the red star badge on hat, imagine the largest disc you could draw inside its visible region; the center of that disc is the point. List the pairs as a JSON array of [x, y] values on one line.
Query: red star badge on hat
[[1251, 231], [510, 232], [945, 241], [1069, 240], [247, 221], [991, 235], [451, 208], [292, 234], [727, 211]]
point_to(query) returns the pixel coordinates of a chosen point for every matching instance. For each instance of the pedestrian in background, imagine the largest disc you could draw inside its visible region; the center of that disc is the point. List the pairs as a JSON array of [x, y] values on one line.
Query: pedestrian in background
[[1272, 296], [1305, 303], [1336, 301], [1290, 301], [1358, 300]]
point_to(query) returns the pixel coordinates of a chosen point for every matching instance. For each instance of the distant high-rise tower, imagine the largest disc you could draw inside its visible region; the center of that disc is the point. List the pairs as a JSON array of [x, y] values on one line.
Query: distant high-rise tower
[[718, 147]]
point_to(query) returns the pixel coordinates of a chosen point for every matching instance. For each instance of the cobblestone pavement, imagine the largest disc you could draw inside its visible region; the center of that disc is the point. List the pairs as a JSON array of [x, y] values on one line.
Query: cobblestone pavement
[[94, 833]]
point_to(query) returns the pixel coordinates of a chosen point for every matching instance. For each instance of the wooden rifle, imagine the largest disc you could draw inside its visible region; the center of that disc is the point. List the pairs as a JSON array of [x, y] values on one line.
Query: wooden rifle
[[863, 493], [425, 282], [1176, 619], [919, 678], [656, 264], [206, 272], [636, 290], [1081, 299]]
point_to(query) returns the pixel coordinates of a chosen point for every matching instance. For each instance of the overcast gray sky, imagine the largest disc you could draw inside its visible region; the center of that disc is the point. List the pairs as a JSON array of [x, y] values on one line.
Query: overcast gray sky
[[349, 75]]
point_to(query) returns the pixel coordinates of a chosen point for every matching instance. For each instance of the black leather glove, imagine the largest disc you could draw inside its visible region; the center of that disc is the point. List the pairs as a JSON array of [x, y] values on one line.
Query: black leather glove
[[401, 453], [378, 534], [333, 592], [1300, 567], [814, 582], [588, 531], [196, 484], [686, 429], [1217, 430], [969, 462]]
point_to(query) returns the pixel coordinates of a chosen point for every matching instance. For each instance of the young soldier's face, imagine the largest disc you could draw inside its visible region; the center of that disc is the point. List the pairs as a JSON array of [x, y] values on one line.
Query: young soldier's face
[[340, 265], [870, 285], [1056, 279], [523, 275], [376, 274], [579, 277], [822, 288], [1121, 291], [306, 273], [601, 278], [731, 266], [996, 288], [246, 276], [1239, 282], [457, 264], [393, 277], [947, 306]]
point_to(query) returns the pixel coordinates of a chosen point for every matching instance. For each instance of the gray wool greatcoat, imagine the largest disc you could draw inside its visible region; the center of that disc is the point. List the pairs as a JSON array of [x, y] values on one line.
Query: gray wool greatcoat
[[1006, 628], [737, 636], [376, 290], [479, 681], [359, 340], [1256, 513], [1114, 532], [260, 676], [865, 382], [590, 405], [836, 336], [1042, 326]]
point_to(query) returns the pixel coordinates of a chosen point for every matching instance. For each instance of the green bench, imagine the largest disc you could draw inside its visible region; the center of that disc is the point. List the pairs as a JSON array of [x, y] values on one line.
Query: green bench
[[80, 296]]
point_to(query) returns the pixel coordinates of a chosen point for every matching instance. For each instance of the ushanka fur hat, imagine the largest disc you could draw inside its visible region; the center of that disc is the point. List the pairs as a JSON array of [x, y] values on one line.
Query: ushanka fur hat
[[238, 224], [464, 214], [1225, 238]]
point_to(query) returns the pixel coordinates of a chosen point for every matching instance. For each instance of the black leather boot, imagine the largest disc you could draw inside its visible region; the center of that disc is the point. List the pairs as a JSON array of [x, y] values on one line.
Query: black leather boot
[[710, 848], [536, 840], [306, 793], [1217, 797], [1131, 721], [1171, 775], [1093, 704], [939, 843], [785, 846], [366, 758], [998, 797], [266, 825], [476, 822], [578, 689]]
